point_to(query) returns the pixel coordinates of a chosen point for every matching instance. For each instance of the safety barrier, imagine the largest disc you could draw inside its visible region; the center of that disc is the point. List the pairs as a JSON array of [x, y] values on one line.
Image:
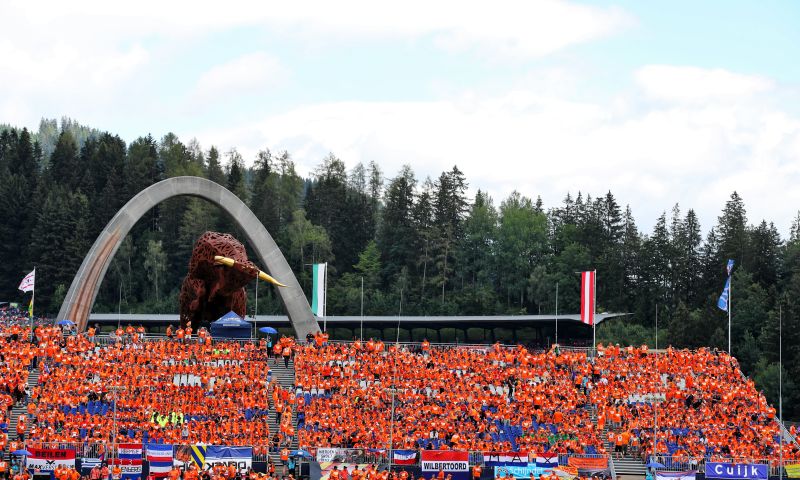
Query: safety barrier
[[263, 453], [684, 463]]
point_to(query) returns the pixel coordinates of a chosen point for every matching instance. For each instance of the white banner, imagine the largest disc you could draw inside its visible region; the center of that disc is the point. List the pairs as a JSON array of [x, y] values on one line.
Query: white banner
[[244, 464], [47, 460], [326, 454], [691, 475]]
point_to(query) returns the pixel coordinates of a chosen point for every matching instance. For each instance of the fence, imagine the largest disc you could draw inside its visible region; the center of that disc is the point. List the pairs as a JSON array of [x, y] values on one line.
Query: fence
[[263, 453], [684, 463]]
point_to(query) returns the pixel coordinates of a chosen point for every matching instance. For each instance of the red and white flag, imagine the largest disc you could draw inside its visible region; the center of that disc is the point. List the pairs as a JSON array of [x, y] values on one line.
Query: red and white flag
[[587, 297], [27, 283]]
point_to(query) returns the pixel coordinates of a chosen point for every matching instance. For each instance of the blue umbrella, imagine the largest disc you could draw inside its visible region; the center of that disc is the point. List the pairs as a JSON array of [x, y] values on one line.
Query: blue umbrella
[[300, 453], [654, 464], [21, 452], [66, 322], [267, 330]]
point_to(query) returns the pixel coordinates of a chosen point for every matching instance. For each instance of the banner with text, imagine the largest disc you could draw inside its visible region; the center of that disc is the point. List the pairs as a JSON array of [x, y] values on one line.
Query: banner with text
[[596, 463], [46, 459], [326, 454], [521, 472], [240, 457], [503, 459], [737, 471], [452, 462], [130, 468]]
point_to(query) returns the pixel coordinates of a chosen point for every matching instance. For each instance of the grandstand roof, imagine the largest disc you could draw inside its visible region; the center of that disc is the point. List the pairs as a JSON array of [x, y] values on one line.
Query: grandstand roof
[[458, 319]]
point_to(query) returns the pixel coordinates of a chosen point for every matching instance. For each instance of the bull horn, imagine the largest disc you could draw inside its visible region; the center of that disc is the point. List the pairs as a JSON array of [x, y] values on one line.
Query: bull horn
[[229, 262]]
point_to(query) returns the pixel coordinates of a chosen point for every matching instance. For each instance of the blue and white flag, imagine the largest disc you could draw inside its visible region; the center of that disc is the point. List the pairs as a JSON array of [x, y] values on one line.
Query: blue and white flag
[[547, 460], [722, 303], [730, 267], [159, 456], [404, 457]]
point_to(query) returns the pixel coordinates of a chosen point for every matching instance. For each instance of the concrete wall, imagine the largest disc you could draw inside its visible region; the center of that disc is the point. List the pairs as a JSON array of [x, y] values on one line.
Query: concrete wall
[[82, 293]]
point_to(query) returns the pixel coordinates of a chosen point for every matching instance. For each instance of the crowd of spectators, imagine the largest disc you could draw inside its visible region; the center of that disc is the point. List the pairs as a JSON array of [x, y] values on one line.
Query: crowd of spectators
[[703, 405], [187, 389], [514, 399], [469, 399], [172, 390]]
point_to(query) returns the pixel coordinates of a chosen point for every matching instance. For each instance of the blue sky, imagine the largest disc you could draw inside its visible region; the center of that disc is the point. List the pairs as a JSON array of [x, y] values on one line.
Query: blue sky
[[659, 102]]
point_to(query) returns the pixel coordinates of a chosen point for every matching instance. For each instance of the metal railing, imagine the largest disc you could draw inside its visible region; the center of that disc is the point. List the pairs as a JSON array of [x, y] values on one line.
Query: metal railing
[[685, 463], [263, 453]]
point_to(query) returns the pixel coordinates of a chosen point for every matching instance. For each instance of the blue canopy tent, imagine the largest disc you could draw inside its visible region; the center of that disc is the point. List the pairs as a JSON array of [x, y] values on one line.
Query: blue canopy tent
[[230, 325]]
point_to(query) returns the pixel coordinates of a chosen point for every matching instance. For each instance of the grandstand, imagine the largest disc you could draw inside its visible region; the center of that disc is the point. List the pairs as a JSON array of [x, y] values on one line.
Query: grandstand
[[695, 406]]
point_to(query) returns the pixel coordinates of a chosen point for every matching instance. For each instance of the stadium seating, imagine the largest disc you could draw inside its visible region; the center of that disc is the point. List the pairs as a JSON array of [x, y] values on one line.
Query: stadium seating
[[171, 392], [475, 399], [486, 399]]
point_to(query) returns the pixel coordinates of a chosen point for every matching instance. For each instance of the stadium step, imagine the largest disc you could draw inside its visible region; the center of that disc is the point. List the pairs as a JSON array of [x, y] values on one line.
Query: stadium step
[[629, 467], [20, 408], [286, 379]]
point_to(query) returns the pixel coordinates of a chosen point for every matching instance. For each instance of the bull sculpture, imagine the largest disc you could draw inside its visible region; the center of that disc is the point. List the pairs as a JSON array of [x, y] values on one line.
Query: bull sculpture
[[218, 273]]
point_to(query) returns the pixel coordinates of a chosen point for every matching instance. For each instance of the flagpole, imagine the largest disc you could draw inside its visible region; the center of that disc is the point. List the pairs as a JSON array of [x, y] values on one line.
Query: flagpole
[[362, 308], [780, 383], [730, 304], [594, 312], [655, 400], [33, 296], [255, 315], [556, 313], [325, 302]]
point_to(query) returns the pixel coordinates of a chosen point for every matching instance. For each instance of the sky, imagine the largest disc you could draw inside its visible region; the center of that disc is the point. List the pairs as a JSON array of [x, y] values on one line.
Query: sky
[[660, 102]]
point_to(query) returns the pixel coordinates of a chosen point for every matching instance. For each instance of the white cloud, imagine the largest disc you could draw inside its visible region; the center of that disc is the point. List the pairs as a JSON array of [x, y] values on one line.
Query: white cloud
[[541, 144], [506, 27], [90, 58], [692, 84], [243, 75]]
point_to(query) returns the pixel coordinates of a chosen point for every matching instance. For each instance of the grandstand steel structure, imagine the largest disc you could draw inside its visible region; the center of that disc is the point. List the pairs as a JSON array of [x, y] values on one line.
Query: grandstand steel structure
[[530, 329]]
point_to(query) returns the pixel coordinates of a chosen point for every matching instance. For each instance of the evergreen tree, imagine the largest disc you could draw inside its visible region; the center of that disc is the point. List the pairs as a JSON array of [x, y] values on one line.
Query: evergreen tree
[[63, 167], [214, 167], [14, 202], [732, 232], [59, 242], [396, 236], [264, 198]]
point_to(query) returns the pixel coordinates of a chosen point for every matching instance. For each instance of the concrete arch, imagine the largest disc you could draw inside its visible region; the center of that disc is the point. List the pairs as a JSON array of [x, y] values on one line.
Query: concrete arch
[[83, 291]]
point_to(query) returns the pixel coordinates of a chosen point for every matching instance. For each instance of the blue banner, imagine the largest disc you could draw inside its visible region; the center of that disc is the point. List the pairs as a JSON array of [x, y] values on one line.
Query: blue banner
[[737, 471], [521, 472], [220, 451]]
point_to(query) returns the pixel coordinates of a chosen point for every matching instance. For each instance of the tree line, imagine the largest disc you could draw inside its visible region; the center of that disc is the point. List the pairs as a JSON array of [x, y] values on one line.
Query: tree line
[[423, 241]]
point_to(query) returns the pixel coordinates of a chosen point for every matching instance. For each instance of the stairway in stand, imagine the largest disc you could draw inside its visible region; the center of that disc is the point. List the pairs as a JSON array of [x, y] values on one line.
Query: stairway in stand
[[20, 408], [285, 377], [628, 466]]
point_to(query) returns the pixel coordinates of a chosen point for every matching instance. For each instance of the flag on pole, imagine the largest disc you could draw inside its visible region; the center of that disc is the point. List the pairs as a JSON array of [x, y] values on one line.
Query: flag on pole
[[587, 297], [160, 458], [722, 303], [318, 295], [28, 282], [404, 457]]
